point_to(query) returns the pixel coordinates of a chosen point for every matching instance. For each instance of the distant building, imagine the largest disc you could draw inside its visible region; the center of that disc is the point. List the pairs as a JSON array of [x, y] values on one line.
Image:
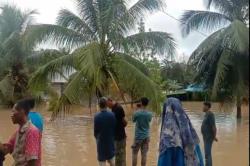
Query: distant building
[[193, 92], [58, 84]]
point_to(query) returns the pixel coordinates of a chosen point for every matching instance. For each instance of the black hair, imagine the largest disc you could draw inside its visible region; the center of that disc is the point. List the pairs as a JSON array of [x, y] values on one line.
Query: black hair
[[144, 101], [138, 105], [109, 99], [103, 102], [208, 104], [26, 105]]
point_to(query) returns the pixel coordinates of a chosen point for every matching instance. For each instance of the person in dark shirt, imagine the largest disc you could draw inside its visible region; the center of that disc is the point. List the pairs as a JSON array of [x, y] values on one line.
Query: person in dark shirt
[[120, 134], [104, 132], [208, 130]]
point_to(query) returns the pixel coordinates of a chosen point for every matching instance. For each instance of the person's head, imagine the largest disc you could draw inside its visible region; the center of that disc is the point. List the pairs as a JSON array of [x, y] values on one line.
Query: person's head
[[110, 103], [174, 104], [103, 103], [206, 106], [144, 102], [138, 105], [21, 109]]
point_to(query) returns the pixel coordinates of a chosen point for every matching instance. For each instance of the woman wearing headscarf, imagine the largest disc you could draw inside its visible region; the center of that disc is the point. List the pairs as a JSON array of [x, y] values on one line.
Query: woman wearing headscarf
[[179, 142]]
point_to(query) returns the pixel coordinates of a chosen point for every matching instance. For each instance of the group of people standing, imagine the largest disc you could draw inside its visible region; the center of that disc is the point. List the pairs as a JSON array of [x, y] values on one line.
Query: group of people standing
[[179, 142], [109, 131]]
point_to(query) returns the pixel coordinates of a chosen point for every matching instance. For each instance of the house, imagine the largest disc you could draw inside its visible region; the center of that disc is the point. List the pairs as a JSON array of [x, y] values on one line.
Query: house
[[193, 92]]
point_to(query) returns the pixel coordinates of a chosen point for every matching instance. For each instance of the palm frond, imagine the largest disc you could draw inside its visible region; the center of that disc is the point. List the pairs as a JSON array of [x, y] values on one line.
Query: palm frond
[[90, 59], [221, 5], [162, 43], [204, 49], [90, 67], [88, 10], [10, 21], [7, 88], [126, 74], [119, 23], [236, 37], [235, 9], [69, 20], [59, 104], [73, 88], [141, 7], [58, 35], [139, 65], [42, 57], [221, 72], [40, 79], [28, 19], [195, 20]]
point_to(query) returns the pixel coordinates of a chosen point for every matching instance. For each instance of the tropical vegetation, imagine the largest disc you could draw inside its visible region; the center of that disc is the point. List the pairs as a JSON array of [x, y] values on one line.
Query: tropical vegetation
[[101, 54], [18, 57], [13, 52], [222, 59], [101, 51]]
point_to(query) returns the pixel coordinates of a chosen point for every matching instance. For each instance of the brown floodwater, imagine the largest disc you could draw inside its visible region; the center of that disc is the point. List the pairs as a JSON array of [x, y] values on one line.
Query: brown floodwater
[[70, 141]]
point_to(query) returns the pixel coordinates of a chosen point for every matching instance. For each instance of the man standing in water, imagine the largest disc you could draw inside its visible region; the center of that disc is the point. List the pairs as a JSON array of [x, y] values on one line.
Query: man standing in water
[[120, 134], [104, 131], [142, 118], [208, 130], [25, 144]]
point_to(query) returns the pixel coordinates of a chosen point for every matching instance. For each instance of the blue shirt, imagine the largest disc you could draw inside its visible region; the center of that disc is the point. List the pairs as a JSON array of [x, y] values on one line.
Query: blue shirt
[[142, 119], [104, 131], [37, 120]]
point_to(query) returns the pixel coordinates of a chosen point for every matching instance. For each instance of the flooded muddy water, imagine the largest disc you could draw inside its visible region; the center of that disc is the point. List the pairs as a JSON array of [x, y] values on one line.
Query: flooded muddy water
[[70, 141]]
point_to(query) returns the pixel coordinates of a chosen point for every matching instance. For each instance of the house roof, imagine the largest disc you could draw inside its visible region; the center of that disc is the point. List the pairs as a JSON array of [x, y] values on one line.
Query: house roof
[[196, 88]]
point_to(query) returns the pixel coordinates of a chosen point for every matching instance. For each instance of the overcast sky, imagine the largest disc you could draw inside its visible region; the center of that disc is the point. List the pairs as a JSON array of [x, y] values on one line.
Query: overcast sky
[[48, 10]]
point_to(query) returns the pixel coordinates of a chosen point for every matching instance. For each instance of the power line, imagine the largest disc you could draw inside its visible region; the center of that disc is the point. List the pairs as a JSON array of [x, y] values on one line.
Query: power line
[[176, 19], [201, 33]]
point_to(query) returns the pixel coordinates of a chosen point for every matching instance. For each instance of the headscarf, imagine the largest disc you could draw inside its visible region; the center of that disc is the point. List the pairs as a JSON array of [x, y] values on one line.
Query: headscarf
[[177, 130]]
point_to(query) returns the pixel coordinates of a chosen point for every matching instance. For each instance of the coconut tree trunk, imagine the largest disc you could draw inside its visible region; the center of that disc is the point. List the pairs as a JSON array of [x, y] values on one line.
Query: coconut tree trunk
[[239, 112]]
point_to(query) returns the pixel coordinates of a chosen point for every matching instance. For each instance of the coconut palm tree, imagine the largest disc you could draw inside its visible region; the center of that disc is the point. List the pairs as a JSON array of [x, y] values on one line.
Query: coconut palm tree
[[100, 44], [17, 56], [13, 51], [222, 59]]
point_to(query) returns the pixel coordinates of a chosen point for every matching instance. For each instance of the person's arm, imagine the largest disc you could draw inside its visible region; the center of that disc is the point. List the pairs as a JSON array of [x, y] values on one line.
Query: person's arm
[[123, 116], [150, 117], [4, 149], [1, 147], [2, 156], [96, 128], [8, 147], [32, 146], [134, 117], [31, 163], [214, 128]]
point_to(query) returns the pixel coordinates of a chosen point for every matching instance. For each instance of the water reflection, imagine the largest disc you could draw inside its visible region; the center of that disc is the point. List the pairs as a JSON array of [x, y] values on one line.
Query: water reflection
[[71, 142]]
